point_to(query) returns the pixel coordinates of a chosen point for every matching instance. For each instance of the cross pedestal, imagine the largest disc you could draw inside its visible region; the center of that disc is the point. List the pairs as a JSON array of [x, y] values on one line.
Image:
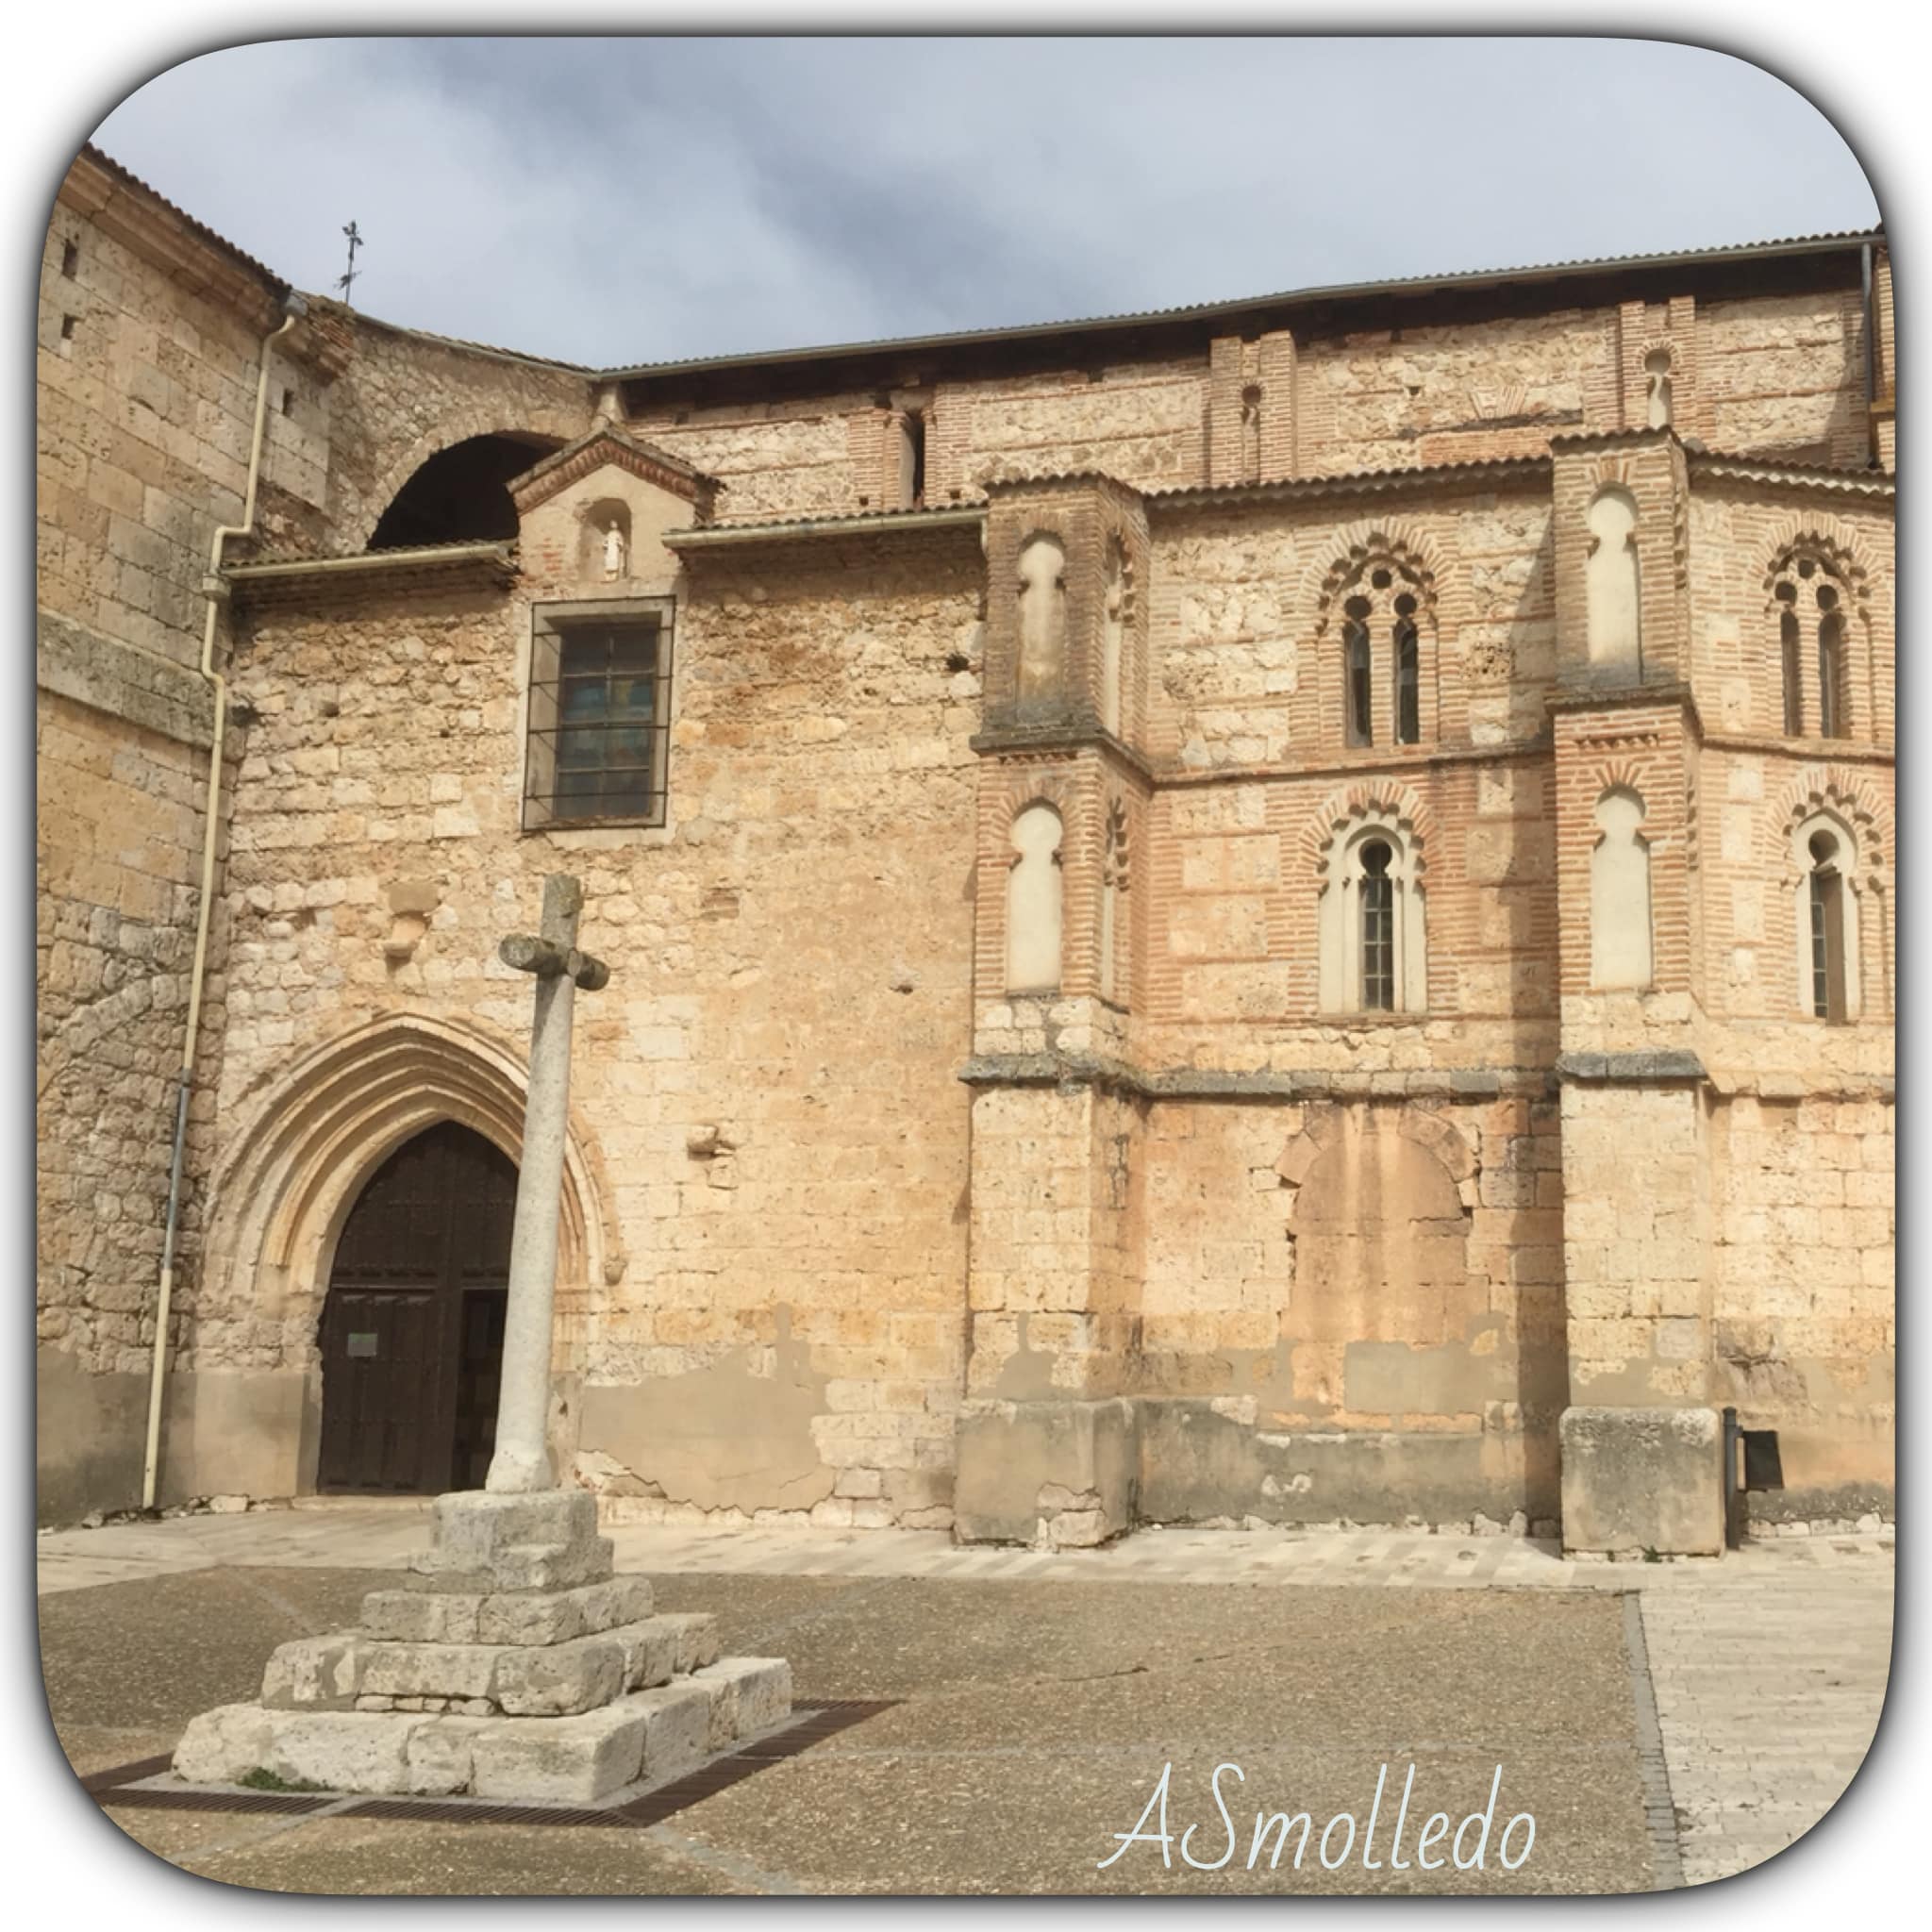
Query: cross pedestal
[[511, 1663]]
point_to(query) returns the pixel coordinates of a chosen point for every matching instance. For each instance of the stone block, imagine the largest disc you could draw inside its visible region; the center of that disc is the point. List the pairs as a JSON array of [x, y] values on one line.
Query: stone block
[[427, 1670], [482, 1543], [747, 1695], [421, 1616], [313, 1673], [571, 1759], [342, 1751], [677, 1733], [557, 1617], [696, 1637], [224, 1744], [1045, 1472], [650, 1653], [1643, 1479], [440, 1754], [560, 1679]]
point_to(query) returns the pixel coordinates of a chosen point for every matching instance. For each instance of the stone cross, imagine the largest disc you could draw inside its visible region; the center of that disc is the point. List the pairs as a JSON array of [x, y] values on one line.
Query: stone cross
[[522, 1459]]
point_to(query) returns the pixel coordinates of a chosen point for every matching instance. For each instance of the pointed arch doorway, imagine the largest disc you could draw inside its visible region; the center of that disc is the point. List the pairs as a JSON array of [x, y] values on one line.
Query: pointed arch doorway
[[412, 1325]]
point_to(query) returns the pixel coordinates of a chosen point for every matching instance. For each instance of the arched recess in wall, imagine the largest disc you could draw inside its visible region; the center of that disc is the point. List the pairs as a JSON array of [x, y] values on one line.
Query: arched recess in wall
[[1042, 590], [454, 478], [1035, 900], [1612, 585], [1621, 943], [284, 1184]]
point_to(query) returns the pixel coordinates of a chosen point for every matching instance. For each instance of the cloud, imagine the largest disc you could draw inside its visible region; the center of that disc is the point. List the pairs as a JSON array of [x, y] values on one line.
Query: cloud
[[629, 200]]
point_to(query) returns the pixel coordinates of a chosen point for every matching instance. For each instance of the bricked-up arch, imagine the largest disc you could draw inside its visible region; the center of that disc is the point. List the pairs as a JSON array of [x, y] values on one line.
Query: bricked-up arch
[[288, 1177], [1380, 1228]]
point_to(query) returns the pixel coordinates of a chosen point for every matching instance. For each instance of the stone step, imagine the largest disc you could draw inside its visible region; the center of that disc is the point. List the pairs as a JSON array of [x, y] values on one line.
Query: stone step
[[356, 1672], [648, 1735], [482, 1543], [425, 1616]]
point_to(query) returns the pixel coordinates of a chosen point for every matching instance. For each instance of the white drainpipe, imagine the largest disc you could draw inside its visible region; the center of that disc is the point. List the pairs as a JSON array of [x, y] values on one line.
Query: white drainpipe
[[214, 590]]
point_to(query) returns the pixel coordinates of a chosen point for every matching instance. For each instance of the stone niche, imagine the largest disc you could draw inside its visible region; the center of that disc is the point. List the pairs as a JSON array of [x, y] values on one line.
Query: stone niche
[[1065, 561], [594, 515]]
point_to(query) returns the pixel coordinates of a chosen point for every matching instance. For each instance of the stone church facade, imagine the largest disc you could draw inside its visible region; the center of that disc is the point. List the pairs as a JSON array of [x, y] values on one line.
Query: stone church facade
[[1214, 916]]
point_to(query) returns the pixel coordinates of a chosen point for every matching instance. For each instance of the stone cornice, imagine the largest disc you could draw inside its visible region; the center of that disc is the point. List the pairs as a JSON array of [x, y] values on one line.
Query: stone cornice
[[1068, 1070], [898, 523], [316, 581], [609, 447], [1878, 486]]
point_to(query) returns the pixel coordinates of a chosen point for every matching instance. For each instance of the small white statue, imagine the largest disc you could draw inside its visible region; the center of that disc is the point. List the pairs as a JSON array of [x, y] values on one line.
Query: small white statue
[[613, 548]]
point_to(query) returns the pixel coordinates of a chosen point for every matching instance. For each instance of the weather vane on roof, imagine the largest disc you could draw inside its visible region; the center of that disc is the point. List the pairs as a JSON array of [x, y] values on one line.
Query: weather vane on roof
[[343, 281]]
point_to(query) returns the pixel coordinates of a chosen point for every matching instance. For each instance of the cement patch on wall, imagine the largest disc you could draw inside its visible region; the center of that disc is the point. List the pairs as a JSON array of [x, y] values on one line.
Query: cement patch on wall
[[719, 1436], [89, 1437], [1200, 1463]]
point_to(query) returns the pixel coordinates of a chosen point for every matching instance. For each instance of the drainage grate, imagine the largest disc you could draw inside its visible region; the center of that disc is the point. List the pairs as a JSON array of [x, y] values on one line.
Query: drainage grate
[[122, 1786], [289, 1803]]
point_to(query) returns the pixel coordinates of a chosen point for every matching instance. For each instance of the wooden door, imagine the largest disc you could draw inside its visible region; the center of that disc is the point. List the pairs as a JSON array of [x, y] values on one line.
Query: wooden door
[[412, 1329]]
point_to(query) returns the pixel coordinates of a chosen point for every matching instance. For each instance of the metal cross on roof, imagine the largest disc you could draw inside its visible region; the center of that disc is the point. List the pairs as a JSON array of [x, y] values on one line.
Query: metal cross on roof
[[343, 281]]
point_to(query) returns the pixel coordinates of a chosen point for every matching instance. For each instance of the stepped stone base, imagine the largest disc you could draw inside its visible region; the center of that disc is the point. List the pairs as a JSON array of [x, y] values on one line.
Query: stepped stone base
[[514, 1664]]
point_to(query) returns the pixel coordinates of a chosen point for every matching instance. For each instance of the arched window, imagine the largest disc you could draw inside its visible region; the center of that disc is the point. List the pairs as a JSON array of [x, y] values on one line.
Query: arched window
[[1371, 950], [1382, 657], [1824, 855], [1791, 649], [1034, 904], [1826, 905], [1379, 929], [1808, 595], [1355, 652], [1409, 722], [1831, 664]]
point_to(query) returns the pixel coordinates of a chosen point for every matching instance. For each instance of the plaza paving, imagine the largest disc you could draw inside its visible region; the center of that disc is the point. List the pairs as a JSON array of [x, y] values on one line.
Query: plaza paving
[[1664, 1725]]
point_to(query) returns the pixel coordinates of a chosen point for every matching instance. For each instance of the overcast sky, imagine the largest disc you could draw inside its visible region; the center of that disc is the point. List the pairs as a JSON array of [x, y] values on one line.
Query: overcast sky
[[615, 201]]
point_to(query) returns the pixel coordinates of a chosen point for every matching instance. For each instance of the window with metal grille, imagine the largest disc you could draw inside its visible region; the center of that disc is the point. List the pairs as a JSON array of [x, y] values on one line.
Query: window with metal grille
[[600, 689], [1794, 669], [1828, 931], [1831, 665], [1354, 646], [1378, 930], [1408, 716]]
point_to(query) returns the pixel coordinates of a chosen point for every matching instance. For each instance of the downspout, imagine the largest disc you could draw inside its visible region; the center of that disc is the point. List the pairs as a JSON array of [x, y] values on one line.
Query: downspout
[[1871, 356], [214, 590]]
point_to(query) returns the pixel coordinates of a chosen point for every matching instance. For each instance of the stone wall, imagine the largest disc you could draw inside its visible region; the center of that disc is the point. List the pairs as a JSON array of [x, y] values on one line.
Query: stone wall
[[769, 1079]]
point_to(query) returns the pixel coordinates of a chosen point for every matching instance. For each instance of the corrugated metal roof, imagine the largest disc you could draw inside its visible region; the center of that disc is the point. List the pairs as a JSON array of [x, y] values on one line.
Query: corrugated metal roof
[[1204, 311]]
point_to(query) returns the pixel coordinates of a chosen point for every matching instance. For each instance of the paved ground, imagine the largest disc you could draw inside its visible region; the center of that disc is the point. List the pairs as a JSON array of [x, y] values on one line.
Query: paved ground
[[1663, 1723]]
